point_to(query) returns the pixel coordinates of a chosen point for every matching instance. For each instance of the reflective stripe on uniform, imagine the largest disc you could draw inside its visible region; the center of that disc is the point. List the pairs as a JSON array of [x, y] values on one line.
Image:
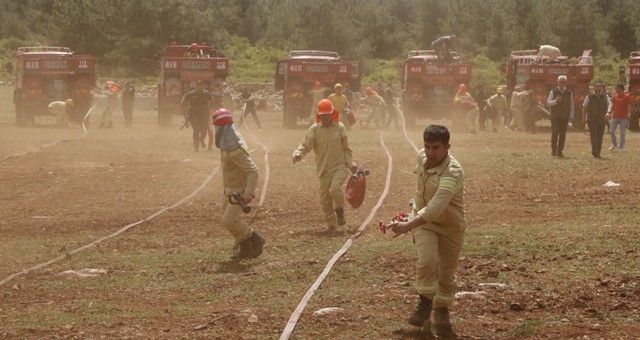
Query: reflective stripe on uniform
[[441, 299], [428, 289], [448, 183]]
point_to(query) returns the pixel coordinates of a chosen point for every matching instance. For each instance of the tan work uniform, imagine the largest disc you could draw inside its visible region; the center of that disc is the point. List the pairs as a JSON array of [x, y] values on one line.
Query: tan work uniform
[[239, 174], [498, 104], [440, 202], [516, 109], [333, 160], [471, 115], [59, 109], [340, 103]]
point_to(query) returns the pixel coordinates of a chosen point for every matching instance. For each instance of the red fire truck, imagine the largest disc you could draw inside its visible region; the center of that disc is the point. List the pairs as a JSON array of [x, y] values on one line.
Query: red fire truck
[[540, 75], [634, 89], [298, 73], [45, 74], [429, 85], [180, 67]]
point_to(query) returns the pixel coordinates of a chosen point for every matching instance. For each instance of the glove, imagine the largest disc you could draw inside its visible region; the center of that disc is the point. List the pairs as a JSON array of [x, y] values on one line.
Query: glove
[[296, 157]]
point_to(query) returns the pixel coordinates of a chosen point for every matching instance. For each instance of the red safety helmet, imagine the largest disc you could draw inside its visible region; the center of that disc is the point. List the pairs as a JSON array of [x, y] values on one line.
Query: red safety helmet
[[222, 116]]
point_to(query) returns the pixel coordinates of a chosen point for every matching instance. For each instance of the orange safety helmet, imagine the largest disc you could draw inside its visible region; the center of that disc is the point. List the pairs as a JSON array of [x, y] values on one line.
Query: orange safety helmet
[[325, 107], [194, 47]]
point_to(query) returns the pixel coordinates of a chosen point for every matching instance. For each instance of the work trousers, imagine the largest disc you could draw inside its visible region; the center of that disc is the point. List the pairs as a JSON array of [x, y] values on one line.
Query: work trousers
[[232, 222], [127, 110], [518, 118], [392, 113], [558, 134], [623, 129], [470, 119], [331, 195], [252, 112], [438, 256], [107, 114], [596, 133], [199, 123]]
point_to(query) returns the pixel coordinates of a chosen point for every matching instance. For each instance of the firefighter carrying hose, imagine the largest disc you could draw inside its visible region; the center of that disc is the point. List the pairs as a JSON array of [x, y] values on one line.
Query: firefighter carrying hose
[[328, 140], [240, 178]]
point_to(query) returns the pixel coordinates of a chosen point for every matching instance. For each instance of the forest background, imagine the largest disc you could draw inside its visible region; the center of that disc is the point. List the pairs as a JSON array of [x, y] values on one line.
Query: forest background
[[127, 37]]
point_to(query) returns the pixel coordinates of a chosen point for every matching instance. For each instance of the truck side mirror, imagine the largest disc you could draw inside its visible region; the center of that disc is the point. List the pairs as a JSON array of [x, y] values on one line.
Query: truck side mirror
[[503, 69], [621, 71]]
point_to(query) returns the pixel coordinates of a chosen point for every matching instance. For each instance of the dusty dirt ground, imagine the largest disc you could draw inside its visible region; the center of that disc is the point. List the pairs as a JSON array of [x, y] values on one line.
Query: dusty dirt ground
[[565, 248]]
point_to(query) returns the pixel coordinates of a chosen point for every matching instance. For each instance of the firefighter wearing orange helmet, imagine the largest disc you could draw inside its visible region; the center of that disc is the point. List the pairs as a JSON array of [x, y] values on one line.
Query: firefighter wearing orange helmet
[[112, 102], [328, 140], [465, 104]]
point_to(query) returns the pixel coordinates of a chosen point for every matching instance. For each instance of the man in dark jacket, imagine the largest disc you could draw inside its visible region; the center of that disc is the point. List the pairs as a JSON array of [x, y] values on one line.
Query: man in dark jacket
[[594, 111], [197, 105], [560, 100]]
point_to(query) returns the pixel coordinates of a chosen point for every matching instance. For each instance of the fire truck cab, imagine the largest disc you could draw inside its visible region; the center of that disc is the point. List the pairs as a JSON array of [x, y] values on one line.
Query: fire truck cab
[[47, 73], [633, 79], [298, 73], [180, 67], [538, 74], [429, 85]]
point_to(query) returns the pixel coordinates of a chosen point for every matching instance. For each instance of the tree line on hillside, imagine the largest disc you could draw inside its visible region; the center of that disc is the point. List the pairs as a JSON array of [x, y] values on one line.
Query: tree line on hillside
[[126, 36]]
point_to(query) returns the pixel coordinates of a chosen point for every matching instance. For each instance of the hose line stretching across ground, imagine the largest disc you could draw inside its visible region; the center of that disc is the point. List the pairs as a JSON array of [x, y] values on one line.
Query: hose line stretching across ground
[[293, 320]]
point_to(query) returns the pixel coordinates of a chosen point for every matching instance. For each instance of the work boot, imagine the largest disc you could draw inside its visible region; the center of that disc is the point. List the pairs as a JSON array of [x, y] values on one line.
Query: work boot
[[257, 244], [422, 313], [340, 215], [442, 323], [244, 249]]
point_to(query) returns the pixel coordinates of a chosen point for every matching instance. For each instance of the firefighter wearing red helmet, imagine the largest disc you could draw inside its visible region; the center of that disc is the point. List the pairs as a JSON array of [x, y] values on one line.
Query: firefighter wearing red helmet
[[194, 51], [328, 141], [239, 178]]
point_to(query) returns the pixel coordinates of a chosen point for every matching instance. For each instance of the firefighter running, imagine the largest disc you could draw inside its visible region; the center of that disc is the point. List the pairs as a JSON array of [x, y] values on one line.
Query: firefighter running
[[240, 178], [196, 105], [437, 222], [328, 140]]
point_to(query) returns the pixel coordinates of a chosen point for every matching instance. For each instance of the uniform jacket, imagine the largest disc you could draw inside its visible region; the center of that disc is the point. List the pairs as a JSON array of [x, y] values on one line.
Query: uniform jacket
[[564, 108], [339, 102], [330, 145], [239, 173], [440, 195]]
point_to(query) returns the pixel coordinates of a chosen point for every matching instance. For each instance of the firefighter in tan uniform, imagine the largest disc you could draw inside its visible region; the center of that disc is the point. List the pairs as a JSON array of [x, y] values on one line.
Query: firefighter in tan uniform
[[328, 140], [438, 224], [239, 175]]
